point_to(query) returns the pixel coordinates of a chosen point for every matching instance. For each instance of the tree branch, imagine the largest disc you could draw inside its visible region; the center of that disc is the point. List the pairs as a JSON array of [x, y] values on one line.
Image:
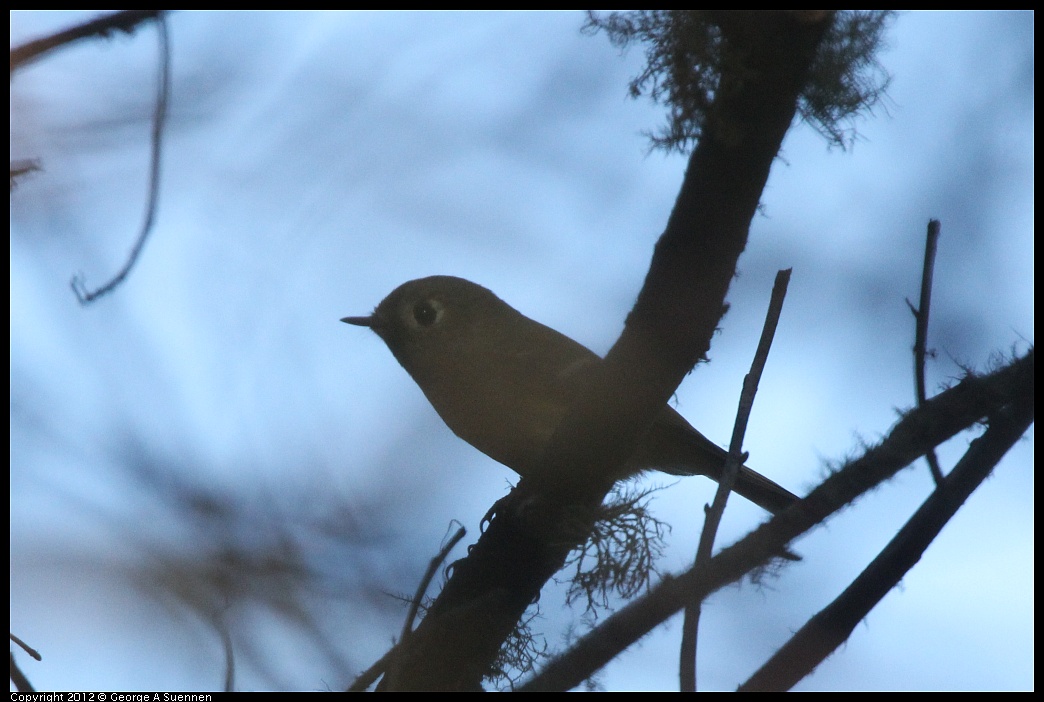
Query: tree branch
[[832, 626], [158, 120], [938, 420], [123, 21], [21, 682]]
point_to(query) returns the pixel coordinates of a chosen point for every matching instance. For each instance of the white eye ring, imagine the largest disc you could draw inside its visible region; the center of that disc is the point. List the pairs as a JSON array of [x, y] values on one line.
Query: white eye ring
[[426, 312]]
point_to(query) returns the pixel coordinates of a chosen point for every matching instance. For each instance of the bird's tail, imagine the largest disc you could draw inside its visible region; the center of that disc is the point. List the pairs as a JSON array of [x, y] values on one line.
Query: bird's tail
[[762, 491], [675, 447]]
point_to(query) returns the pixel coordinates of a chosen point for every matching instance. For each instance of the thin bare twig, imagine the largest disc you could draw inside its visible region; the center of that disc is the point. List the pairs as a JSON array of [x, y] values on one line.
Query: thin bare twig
[[21, 682], [230, 658], [832, 626], [159, 119], [433, 566], [367, 677], [921, 335], [691, 622], [123, 21]]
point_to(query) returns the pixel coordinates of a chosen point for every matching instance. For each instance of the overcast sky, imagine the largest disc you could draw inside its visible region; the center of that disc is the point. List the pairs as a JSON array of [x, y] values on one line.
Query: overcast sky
[[313, 162]]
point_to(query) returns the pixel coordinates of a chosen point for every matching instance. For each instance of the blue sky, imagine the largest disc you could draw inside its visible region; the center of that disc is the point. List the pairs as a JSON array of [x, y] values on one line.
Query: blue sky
[[313, 162]]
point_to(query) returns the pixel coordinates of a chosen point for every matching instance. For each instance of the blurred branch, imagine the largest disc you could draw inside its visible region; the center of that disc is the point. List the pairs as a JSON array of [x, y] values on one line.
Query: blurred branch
[[221, 554], [123, 21], [920, 314], [938, 420], [159, 118], [230, 657], [832, 626], [21, 682], [691, 621], [21, 168]]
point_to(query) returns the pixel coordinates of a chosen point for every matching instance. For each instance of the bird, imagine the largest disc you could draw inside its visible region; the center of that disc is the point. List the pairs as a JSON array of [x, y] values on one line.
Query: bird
[[502, 382]]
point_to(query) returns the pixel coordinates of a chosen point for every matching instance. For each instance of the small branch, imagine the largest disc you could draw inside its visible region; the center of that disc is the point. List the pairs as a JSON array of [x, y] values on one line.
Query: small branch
[[21, 682], [159, 118], [433, 566], [921, 335], [123, 21], [367, 677], [832, 626], [691, 622], [230, 658], [26, 647]]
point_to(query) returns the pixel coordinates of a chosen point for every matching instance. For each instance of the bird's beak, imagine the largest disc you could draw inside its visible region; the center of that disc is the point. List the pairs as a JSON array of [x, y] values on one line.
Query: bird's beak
[[370, 321]]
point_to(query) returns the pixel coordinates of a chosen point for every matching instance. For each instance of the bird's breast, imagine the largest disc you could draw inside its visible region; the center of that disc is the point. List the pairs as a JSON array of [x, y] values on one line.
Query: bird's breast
[[510, 421]]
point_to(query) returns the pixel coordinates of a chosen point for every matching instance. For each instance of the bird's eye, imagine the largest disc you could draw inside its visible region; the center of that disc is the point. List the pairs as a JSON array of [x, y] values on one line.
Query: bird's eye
[[427, 312]]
